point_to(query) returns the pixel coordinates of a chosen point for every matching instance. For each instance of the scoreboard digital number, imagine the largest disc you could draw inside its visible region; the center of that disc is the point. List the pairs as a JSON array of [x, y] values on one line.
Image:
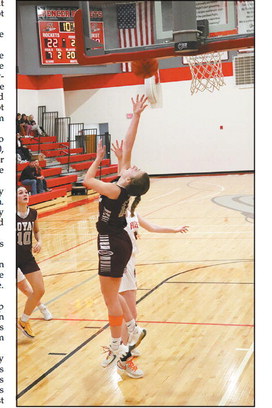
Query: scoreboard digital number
[[56, 33]]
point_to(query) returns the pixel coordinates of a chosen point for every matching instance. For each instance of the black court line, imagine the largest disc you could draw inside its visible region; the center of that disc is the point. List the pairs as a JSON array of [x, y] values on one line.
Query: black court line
[[61, 362], [215, 283], [54, 367], [143, 289], [156, 263], [91, 327], [57, 354], [193, 261]]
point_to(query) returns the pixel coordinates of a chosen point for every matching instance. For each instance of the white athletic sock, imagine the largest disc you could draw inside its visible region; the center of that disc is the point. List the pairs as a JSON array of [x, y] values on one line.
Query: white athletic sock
[[115, 343], [131, 325], [41, 306], [24, 317]]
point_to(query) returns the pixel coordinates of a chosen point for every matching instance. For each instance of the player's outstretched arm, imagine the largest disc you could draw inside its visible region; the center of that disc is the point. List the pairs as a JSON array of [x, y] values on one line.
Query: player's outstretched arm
[[158, 228], [138, 106], [117, 149], [108, 189]]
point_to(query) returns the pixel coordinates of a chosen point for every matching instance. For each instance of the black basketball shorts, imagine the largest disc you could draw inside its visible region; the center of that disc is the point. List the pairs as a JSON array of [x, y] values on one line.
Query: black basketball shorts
[[114, 252], [27, 265]]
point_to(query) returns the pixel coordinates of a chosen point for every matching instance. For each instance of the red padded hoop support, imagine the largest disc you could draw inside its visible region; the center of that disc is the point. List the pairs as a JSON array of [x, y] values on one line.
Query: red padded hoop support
[[159, 53]]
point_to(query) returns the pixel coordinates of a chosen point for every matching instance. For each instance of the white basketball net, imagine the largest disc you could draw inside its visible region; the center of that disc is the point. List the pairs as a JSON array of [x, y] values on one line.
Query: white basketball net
[[206, 70]]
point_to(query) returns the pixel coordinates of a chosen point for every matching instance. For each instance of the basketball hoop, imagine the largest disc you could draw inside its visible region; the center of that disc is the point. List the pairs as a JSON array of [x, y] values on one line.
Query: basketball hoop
[[206, 70]]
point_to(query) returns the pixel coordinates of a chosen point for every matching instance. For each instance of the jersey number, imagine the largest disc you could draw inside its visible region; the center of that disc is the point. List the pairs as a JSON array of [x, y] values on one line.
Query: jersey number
[[24, 237]]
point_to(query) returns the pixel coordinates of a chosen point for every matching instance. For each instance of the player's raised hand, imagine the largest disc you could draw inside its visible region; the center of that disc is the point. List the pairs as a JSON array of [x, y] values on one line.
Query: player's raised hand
[[100, 151], [139, 104], [117, 149]]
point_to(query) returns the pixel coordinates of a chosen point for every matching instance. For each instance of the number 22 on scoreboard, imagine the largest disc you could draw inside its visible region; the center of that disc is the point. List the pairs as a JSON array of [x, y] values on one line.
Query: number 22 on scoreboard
[[51, 42]]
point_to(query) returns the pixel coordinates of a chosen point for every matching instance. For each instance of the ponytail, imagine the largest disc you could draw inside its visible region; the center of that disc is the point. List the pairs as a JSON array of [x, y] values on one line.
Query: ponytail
[[139, 185], [136, 201]]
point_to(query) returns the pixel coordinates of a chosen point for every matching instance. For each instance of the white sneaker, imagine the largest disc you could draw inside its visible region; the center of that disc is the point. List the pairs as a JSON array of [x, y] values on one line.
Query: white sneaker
[[129, 368], [110, 357], [136, 337], [46, 314], [112, 354], [135, 353]]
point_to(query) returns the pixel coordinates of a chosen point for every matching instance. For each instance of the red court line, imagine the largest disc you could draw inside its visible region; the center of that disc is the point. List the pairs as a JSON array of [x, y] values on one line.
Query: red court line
[[154, 321], [66, 250]]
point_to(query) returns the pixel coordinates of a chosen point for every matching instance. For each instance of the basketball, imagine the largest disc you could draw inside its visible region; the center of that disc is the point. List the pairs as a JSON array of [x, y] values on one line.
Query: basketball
[[145, 68]]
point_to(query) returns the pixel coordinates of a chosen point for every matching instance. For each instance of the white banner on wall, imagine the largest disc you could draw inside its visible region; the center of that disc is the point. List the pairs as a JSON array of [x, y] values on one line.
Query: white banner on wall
[[214, 11], [245, 16]]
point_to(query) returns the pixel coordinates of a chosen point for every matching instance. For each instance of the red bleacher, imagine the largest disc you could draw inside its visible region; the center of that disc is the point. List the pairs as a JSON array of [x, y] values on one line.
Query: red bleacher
[[35, 140], [40, 198], [64, 152], [107, 170], [62, 180], [76, 158], [85, 165], [47, 146], [54, 171], [21, 166]]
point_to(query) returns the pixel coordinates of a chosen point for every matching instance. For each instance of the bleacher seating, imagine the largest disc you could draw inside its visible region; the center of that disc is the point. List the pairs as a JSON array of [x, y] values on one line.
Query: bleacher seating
[[62, 152], [86, 164], [58, 152], [40, 198], [76, 158], [35, 140]]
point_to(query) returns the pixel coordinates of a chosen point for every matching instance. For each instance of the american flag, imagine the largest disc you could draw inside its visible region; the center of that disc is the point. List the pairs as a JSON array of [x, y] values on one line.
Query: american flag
[[135, 25]]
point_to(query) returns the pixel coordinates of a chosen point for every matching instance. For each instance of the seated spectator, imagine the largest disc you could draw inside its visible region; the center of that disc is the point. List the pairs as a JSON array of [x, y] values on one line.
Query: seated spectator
[[18, 118], [36, 127], [41, 177], [24, 125], [22, 150], [29, 178]]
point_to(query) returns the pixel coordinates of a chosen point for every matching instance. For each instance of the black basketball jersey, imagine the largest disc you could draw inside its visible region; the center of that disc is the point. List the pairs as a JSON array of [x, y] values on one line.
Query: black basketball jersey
[[24, 228], [112, 213]]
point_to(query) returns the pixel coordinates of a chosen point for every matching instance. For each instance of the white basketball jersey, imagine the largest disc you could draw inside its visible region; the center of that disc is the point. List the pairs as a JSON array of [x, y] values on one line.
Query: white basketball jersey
[[131, 228]]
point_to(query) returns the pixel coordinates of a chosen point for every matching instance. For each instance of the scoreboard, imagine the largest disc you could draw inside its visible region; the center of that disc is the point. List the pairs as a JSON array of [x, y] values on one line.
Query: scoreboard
[[57, 33]]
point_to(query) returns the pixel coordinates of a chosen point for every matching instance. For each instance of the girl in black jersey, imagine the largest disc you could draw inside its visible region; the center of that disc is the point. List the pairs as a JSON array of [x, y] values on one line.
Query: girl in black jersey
[[114, 244], [26, 224]]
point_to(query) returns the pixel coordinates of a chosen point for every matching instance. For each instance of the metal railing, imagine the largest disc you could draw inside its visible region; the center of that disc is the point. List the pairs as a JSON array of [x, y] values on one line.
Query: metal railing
[[62, 129], [41, 110], [89, 142], [73, 132], [49, 122]]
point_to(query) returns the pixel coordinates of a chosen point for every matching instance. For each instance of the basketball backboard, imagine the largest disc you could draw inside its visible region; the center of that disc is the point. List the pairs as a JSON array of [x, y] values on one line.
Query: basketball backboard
[[161, 29]]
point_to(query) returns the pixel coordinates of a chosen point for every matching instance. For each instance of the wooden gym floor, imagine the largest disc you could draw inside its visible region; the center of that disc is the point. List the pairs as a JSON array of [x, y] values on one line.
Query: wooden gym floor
[[195, 298]]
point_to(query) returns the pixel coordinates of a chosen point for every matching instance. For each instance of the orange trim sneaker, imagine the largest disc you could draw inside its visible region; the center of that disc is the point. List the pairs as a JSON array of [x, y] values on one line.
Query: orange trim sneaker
[[129, 368], [121, 352], [26, 329], [110, 357]]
